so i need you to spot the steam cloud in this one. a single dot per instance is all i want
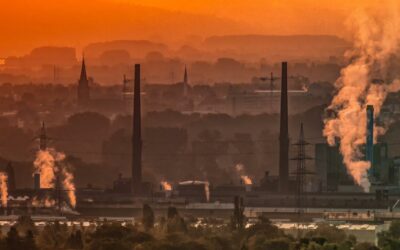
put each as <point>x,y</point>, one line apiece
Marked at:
<point>376,42</point>
<point>3,189</point>
<point>48,164</point>
<point>241,172</point>
<point>166,186</point>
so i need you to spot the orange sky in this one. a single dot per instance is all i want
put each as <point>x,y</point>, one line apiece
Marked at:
<point>25,24</point>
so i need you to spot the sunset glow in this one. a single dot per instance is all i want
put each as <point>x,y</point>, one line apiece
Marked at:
<point>27,24</point>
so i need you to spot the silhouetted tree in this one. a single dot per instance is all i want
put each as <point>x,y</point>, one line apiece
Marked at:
<point>53,236</point>
<point>74,240</point>
<point>113,236</point>
<point>366,246</point>
<point>172,212</point>
<point>148,217</point>
<point>238,218</point>
<point>331,233</point>
<point>13,240</point>
<point>29,241</point>
<point>25,224</point>
<point>175,223</point>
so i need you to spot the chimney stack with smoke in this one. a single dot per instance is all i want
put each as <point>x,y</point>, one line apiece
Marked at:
<point>284,134</point>
<point>36,181</point>
<point>369,149</point>
<point>137,136</point>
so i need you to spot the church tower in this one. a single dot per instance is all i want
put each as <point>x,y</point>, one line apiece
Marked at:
<point>185,83</point>
<point>83,86</point>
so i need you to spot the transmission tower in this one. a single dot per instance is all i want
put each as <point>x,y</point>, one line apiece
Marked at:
<point>301,172</point>
<point>58,187</point>
<point>127,92</point>
<point>271,80</point>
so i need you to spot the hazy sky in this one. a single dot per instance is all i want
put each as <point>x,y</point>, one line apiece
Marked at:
<point>25,24</point>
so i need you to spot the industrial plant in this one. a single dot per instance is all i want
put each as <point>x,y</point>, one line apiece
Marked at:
<point>200,125</point>
<point>328,192</point>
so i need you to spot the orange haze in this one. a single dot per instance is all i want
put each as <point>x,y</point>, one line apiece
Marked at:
<point>25,24</point>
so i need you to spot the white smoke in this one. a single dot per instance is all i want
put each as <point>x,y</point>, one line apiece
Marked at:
<point>376,41</point>
<point>50,163</point>
<point>240,170</point>
<point>4,189</point>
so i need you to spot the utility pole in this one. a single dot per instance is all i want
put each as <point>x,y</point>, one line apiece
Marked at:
<point>271,80</point>
<point>125,92</point>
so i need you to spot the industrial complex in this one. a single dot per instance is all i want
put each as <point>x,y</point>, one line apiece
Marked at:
<point>328,193</point>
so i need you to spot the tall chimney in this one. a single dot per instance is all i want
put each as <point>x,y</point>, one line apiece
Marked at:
<point>137,136</point>
<point>369,149</point>
<point>36,181</point>
<point>284,135</point>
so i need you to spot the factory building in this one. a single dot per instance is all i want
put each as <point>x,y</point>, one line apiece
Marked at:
<point>332,174</point>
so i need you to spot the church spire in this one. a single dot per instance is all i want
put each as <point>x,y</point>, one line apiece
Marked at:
<point>83,85</point>
<point>185,76</point>
<point>185,82</point>
<point>83,70</point>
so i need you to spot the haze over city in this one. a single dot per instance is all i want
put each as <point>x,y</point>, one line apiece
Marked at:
<point>206,125</point>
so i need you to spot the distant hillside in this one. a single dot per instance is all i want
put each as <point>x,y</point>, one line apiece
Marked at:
<point>270,45</point>
<point>61,56</point>
<point>262,40</point>
<point>135,48</point>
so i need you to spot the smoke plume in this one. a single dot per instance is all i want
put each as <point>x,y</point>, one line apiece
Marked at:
<point>366,80</point>
<point>4,189</point>
<point>245,179</point>
<point>49,164</point>
<point>45,165</point>
<point>69,186</point>
<point>166,186</point>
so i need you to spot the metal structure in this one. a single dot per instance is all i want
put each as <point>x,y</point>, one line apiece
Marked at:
<point>369,148</point>
<point>58,189</point>
<point>271,80</point>
<point>126,93</point>
<point>301,172</point>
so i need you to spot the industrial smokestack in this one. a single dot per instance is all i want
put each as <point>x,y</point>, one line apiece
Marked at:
<point>36,181</point>
<point>11,177</point>
<point>137,136</point>
<point>369,149</point>
<point>43,138</point>
<point>284,134</point>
